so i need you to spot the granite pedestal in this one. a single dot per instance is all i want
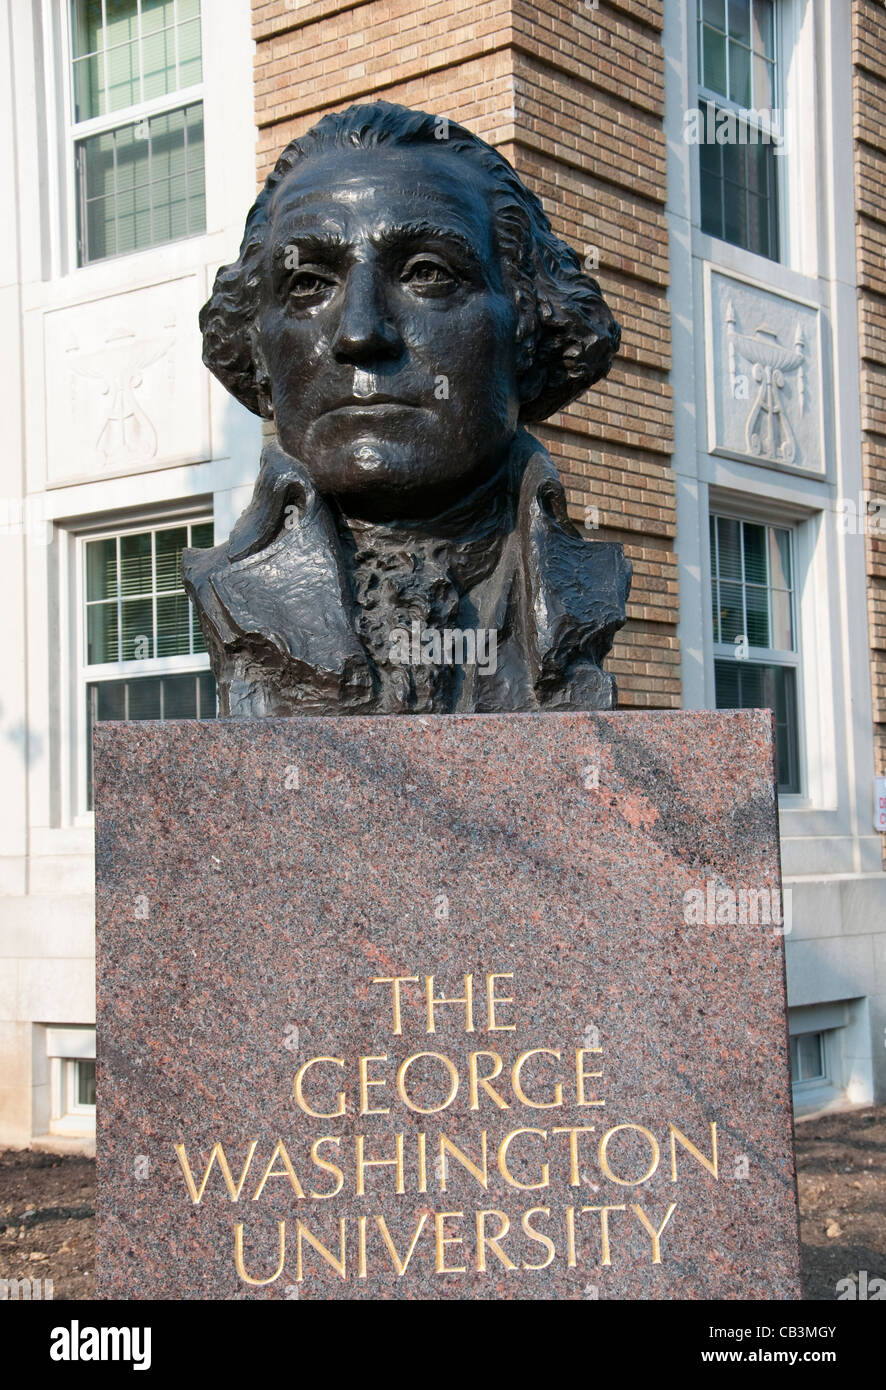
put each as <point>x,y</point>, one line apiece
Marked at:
<point>452,1007</point>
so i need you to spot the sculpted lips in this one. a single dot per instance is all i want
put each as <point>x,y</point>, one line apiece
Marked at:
<point>372,407</point>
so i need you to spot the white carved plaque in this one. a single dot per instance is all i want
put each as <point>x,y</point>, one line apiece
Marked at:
<point>764,377</point>
<point>125,387</point>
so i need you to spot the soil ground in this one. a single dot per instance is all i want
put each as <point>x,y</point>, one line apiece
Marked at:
<point>47,1224</point>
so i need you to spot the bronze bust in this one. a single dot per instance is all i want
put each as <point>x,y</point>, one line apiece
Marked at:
<point>401,309</point>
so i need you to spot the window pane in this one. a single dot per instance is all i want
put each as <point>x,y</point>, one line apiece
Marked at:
<point>122,20</point>
<point>173,625</point>
<point>110,699</point>
<point>101,569</point>
<point>747,166</point>
<point>740,74</point>
<point>190,65</point>
<point>740,20</point>
<point>89,82</point>
<point>729,547</point>
<point>810,1057</point>
<point>714,60</point>
<point>207,696</point>
<point>124,59</point>
<point>751,685</point>
<point>754,554</point>
<point>764,85</point>
<point>782,621</point>
<point>764,33</point>
<point>157,14</point>
<point>714,12</point>
<point>161,159</point>
<point>731,612</point>
<point>138,630</point>
<point>85,1083</point>
<point>135,563</point>
<point>180,697</point>
<point>122,77</point>
<point>202,536</point>
<point>170,545</point>
<point>101,633</point>
<point>780,557</point>
<point>711,205</point>
<point>144,698</point>
<point>757,604</point>
<point>158,59</point>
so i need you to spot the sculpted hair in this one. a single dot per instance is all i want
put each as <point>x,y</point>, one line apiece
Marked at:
<point>566,334</point>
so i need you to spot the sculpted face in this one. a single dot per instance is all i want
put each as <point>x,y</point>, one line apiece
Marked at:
<point>387,329</point>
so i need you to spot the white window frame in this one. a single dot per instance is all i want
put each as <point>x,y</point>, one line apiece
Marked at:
<point>816,1083</point>
<point>66,1049</point>
<point>762,512</point>
<point>86,674</point>
<point>97,125</point>
<point>774,135</point>
<point>800,248</point>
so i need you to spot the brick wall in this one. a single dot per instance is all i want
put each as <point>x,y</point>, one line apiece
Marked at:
<point>869,84</point>
<point>573,96</point>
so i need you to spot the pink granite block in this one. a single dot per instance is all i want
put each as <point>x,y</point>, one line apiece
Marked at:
<point>617,1125</point>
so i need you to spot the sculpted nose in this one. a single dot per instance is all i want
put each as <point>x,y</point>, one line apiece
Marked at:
<point>365,331</point>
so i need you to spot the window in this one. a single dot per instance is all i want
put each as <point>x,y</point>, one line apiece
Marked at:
<point>756,660</point>
<point>71,1055</point>
<point>809,1056</point>
<point>739,121</point>
<point>138,144</point>
<point>144,654</point>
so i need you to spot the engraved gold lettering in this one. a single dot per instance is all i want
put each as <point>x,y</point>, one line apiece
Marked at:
<point>604,1229</point>
<point>483,1239</point>
<point>366,1082</point>
<point>477,1081</point>
<point>573,1131</point>
<point>401,1266</point>
<point>604,1160</point>
<point>467,999</point>
<point>302,1234</point>
<point>238,1255</point>
<point>396,1162</point>
<point>503,1161</point>
<point>299,1092</point>
<point>539,1236</point>
<point>570,1237</point>
<point>655,1235</point>
<point>492,1025</point>
<point>395,981</point>
<point>361,1247</point>
<point>327,1167</point>
<point>480,1173</point>
<point>287,1171</point>
<point>442,1240</point>
<point>516,1080</point>
<point>581,1076</point>
<point>216,1154</point>
<point>422,1161</point>
<point>709,1163</point>
<point>403,1070</point>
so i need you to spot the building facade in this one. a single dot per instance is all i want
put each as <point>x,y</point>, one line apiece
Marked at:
<point>718,164</point>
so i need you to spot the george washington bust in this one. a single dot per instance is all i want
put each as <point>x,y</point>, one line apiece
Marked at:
<point>401,310</point>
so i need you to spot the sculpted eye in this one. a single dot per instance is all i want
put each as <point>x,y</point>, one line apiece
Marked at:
<point>308,284</point>
<point>428,276</point>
